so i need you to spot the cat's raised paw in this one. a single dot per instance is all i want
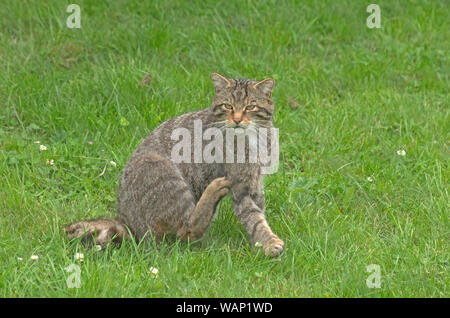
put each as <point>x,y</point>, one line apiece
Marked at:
<point>220,183</point>
<point>218,188</point>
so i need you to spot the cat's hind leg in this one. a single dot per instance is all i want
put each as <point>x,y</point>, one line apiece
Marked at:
<point>154,198</point>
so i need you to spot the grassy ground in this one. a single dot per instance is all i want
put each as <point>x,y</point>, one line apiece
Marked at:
<point>347,97</point>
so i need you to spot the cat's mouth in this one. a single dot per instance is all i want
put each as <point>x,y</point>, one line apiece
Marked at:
<point>238,125</point>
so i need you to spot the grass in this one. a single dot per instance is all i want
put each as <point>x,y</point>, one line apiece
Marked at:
<point>347,98</point>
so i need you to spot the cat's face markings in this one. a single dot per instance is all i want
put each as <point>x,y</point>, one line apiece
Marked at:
<point>242,103</point>
<point>238,115</point>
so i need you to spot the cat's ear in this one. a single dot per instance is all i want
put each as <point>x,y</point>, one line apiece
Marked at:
<point>265,86</point>
<point>220,82</point>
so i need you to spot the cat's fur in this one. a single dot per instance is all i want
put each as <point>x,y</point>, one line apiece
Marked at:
<point>159,197</point>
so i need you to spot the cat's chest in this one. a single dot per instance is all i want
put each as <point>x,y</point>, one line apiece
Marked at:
<point>246,174</point>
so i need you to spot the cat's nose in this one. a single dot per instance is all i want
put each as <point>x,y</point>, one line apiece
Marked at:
<point>237,119</point>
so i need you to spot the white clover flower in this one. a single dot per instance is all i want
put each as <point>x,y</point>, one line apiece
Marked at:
<point>369,179</point>
<point>37,142</point>
<point>34,257</point>
<point>50,162</point>
<point>98,247</point>
<point>79,257</point>
<point>112,163</point>
<point>153,270</point>
<point>258,244</point>
<point>20,259</point>
<point>42,147</point>
<point>401,152</point>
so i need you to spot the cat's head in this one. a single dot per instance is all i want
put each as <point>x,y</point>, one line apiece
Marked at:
<point>242,103</point>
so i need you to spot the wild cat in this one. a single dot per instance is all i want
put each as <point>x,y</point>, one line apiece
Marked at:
<point>158,196</point>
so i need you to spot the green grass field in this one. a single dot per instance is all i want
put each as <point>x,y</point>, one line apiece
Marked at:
<point>348,100</point>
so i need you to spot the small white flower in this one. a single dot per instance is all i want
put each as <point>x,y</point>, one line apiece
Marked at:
<point>79,257</point>
<point>258,244</point>
<point>98,247</point>
<point>112,163</point>
<point>34,257</point>
<point>42,147</point>
<point>37,142</point>
<point>401,152</point>
<point>153,270</point>
<point>50,162</point>
<point>20,259</point>
<point>369,179</point>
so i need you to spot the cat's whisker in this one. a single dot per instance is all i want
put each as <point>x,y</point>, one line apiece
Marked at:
<point>261,123</point>
<point>217,123</point>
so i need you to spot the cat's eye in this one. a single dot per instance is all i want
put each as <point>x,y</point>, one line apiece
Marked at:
<point>250,107</point>
<point>227,106</point>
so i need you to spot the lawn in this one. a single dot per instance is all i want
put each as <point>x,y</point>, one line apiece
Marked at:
<point>363,118</point>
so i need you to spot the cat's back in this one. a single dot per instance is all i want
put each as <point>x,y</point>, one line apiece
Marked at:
<point>160,139</point>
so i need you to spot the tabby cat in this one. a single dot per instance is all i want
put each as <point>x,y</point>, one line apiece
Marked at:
<point>159,197</point>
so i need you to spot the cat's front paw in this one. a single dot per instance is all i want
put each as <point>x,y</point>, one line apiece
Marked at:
<point>274,248</point>
<point>219,187</point>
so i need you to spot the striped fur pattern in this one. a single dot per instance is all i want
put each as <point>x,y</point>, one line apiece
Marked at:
<point>157,197</point>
